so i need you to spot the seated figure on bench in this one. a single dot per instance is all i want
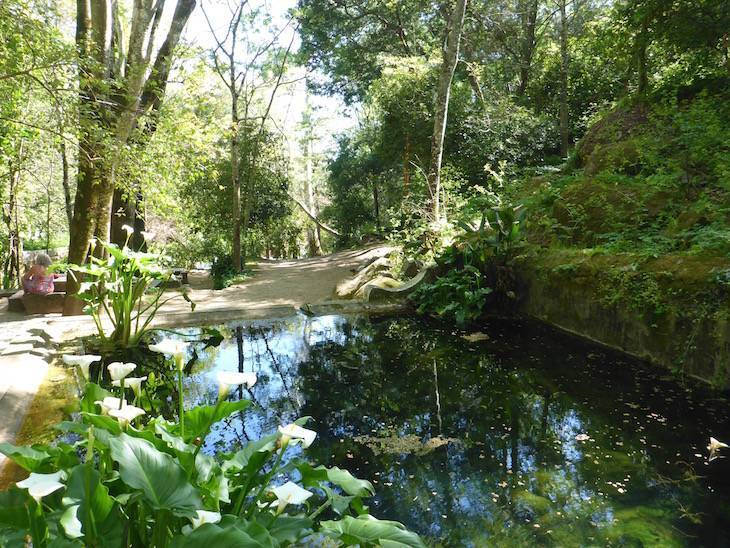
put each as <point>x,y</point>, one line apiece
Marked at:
<point>37,280</point>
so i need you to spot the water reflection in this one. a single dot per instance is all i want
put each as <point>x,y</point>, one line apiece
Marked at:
<point>526,438</point>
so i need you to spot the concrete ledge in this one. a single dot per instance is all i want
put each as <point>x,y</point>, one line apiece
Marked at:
<point>20,377</point>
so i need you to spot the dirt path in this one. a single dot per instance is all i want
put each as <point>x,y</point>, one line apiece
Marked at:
<point>276,286</point>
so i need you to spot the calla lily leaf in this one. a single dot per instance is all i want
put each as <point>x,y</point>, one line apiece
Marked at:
<point>367,530</point>
<point>92,394</point>
<point>290,529</point>
<point>161,479</point>
<point>94,504</point>
<point>199,420</point>
<point>26,457</point>
<point>252,456</point>
<point>242,533</point>
<point>311,477</point>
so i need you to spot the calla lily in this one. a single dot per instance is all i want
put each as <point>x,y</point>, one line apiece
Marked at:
<point>203,516</point>
<point>148,236</point>
<point>135,383</point>
<point>171,347</point>
<point>126,414</point>
<point>82,362</point>
<point>289,493</point>
<point>714,448</point>
<point>109,403</point>
<point>40,485</point>
<point>128,229</point>
<point>119,370</point>
<point>295,433</point>
<point>229,379</point>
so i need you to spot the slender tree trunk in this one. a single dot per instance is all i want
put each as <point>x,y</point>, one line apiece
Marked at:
<point>641,62</point>
<point>236,183</point>
<point>528,16</point>
<point>406,164</point>
<point>10,216</point>
<point>68,200</point>
<point>448,66</point>
<point>376,205</point>
<point>315,246</point>
<point>564,69</point>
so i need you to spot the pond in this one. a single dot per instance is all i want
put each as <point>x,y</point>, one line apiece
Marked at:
<point>526,437</point>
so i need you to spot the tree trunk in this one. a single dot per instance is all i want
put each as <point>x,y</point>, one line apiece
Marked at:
<point>528,16</point>
<point>236,184</point>
<point>315,246</point>
<point>376,205</point>
<point>68,200</point>
<point>564,66</point>
<point>109,114</point>
<point>125,211</point>
<point>406,164</point>
<point>448,66</point>
<point>12,273</point>
<point>642,44</point>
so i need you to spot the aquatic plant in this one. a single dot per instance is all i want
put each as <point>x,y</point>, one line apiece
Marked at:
<point>124,287</point>
<point>124,483</point>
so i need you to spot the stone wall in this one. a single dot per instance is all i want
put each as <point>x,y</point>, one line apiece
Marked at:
<point>572,300</point>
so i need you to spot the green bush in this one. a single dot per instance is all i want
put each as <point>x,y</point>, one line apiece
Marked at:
<point>224,273</point>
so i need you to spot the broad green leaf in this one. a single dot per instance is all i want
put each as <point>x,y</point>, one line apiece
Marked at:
<point>13,511</point>
<point>289,529</point>
<point>93,393</point>
<point>110,424</point>
<point>94,505</point>
<point>225,535</point>
<point>161,479</point>
<point>340,503</point>
<point>253,456</point>
<point>32,459</point>
<point>367,531</point>
<point>198,421</point>
<point>311,477</point>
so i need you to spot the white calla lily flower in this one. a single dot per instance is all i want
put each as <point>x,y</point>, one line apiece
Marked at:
<point>229,379</point>
<point>40,485</point>
<point>293,433</point>
<point>128,229</point>
<point>171,347</point>
<point>204,516</point>
<point>119,370</point>
<point>148,236</point>
<point>126,414</point>
<point>109,403</point>
<point>289,493</point>
<point>714,448</point>
<point>135,383</point>
<point>82,362</point>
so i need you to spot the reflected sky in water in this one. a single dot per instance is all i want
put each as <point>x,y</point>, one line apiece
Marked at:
<point>529,437</point>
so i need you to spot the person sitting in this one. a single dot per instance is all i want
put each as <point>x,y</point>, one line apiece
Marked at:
<point>37,280</point>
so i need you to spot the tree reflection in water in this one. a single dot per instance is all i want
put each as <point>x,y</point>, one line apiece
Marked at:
<point>474,443</point>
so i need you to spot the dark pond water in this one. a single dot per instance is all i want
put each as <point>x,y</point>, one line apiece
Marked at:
<point>527,438</point>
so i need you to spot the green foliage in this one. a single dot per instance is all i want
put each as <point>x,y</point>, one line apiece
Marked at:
<point>121,287</point>
<point>147,486</point>
<point>459,295</point>
<point>224,273</point>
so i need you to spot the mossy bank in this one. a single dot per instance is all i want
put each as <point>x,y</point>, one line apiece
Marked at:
<point>630,245</point>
